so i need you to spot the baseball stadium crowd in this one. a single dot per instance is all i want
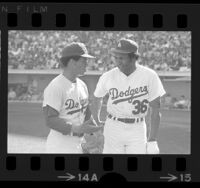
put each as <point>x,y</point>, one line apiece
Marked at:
<point>160,50</point>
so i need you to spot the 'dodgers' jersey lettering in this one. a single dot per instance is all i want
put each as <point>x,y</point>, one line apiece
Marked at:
<point>129,96</point>
<point>69,99</point>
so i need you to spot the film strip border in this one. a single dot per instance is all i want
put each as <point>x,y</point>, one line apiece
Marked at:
<point>88,16</point>
<point>109,20</point>
<point>84,164</point>
<point>96,168</point>
<point>99,17</point>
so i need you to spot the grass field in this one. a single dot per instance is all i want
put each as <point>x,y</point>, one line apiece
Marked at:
<point>27,131</point>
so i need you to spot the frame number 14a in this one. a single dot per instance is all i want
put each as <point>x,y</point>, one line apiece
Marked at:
<point>87,177</point>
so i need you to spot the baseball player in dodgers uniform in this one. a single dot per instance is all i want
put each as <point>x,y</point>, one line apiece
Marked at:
<point>132,89</point>
<point>65,103</point>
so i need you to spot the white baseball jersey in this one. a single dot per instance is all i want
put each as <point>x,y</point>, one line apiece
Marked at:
<point>70,100</point>
<point>129,96</point>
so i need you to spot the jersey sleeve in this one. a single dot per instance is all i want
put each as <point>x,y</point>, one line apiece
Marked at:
<point>53,97</point>
<point>101,90</point>
<point>156,88</point>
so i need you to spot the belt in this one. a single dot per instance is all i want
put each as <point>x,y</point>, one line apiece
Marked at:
<point>126,120</point>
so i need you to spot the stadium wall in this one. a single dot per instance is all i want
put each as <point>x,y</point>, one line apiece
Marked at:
<point>175,87</point>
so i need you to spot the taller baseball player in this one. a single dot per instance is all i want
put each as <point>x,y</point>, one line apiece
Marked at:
<point>65,103</point>
<point>132,89</point>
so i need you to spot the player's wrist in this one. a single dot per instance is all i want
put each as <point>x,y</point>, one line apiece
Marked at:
<point>68,129</point>
<point>99,123</point>
<point>152,140</point>
<point>76,129</point>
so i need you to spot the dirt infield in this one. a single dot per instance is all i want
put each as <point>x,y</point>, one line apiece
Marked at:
<point>27,130</point>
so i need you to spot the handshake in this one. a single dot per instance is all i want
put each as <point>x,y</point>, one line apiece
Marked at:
<point>88,127</point>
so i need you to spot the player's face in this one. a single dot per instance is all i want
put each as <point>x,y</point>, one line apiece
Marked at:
<point>81,66</point>
<point>123,61</point>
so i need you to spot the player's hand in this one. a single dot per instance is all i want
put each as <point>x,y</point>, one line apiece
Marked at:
<point>87,127</point>
<point>152,147</point>
<point>99,123</point>
<point>90,128</point>
<point>93,122</point>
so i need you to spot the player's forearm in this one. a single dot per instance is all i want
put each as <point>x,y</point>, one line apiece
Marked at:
<point>87,127</point>
<point>155,123</point>
<point>59,125</point>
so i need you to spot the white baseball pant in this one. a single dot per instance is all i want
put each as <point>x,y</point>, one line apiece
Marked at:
<point>123,138</point>
<point>59,143</point>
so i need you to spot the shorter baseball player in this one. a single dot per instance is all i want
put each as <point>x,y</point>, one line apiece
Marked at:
<point>65,103</point>
<point>132,89</point>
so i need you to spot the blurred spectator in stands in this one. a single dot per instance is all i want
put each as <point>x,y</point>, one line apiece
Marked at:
<point>35,97</point>
<point>23,94</point>
<point>174,100</point>
<point>185,67</point>
<point>168,103</point>
<point>32,87</point>
<point>164,67</point>
<point>176,66</point>
<point>11,94</point>
<point>18,90</point>
<point>182,103</point>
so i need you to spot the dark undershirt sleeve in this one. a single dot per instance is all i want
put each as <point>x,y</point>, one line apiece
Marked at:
<point>54,122</point>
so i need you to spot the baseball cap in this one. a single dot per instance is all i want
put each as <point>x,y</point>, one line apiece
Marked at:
<point>126,46</point>
<point>75,49</point>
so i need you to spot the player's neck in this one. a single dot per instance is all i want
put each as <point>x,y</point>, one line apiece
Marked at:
<point>129,70</point>
<point>69,75</point>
